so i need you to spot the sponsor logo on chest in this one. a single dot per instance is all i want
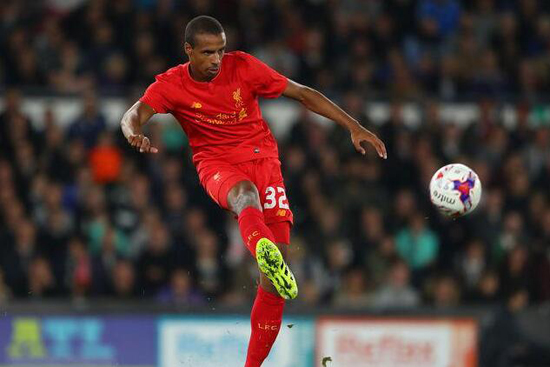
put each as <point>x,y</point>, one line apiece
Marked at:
<point>222,117</point>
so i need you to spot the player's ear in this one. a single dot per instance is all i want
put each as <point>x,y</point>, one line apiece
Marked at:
<point>187,48</point>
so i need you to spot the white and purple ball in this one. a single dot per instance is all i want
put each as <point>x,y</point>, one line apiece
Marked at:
<point>455,190</point>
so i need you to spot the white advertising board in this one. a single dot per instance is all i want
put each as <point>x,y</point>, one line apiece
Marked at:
<point>215,342</point>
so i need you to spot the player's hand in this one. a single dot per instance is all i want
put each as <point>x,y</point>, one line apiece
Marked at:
<point>142,143</point>
<point>360,134</point>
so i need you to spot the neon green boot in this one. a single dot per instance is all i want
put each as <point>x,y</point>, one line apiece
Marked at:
<point>271,263</point>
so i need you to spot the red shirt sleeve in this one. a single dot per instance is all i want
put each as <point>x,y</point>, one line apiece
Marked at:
<point>156,96</point>
<point>265,81</point>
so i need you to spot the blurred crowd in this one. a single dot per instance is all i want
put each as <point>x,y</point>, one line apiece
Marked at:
<point>85,216</point>
<point>448,49</point>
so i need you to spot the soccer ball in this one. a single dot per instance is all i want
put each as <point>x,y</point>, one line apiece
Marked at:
<point>455,190</point>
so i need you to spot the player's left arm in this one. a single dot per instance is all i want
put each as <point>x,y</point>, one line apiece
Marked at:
<point>315,101</point>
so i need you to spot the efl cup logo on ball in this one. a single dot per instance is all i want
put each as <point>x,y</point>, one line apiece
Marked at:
<point>455,190</point>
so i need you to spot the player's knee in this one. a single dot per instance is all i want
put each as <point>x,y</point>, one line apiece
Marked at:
<point>243,195</point>
<point>249,198</point>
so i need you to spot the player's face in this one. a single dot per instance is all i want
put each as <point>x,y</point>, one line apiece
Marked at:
<point>206,57</point>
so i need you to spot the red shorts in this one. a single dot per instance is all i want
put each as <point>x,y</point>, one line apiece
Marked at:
<point>219,177</point>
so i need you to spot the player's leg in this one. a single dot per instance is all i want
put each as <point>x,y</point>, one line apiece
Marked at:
<point>267,311</point>
<point>244,200</point>
<point>231,187</point>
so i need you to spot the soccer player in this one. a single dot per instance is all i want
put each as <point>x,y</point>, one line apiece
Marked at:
<point>214,97</point>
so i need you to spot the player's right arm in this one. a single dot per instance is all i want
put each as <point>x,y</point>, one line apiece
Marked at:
<point>131,124</point>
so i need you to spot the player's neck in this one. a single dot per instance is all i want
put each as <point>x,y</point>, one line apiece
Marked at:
<point>196,76</point>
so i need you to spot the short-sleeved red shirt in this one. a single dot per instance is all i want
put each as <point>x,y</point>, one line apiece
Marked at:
<point>221,118</point>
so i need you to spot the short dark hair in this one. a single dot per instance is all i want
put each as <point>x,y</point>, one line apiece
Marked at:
<point>203,24</point>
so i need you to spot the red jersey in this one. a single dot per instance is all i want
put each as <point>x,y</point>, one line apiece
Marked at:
<point>222,117</point>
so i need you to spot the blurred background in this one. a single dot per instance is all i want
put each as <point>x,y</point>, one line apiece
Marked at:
<point>89,227</point>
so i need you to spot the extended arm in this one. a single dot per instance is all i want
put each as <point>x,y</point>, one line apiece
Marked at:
<point>318,103</point>
<point>131,124</point>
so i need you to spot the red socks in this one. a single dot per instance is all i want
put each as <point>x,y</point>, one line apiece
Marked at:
<point>267,311</point>
<point>266,317</point>
<point>252,226</point>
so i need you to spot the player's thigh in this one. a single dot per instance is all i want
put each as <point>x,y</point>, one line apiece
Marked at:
<point>218,179</point>
<point>271,187</point>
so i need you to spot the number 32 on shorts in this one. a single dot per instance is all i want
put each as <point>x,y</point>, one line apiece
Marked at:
<point>274,196</point>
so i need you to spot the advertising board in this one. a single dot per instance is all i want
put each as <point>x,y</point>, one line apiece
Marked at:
<point>360,342</point>
<point>222,341</point>
<point>78,341</point>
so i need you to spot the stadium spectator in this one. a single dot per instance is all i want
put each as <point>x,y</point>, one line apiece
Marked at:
<point>42,283</point>
<point>105,160</point>
<point>212,276</point>
<point>472,264</point>
<point>380,259</point>
<point>353,292</point>
<point>124,284</point>
<point>445,293</point>
<point>90,124</point>
<point>103,264</point>
<point>156,261</point>
<point>417,245</point>
<point>487,290</point>
<point>396,291</point>
<point>5,291</point>
<point>180,290</point>
<point>78,268</point>
<point>339,256</point>
<point>505,343</point>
